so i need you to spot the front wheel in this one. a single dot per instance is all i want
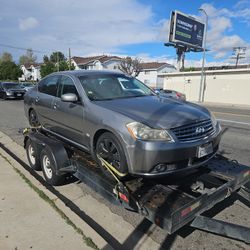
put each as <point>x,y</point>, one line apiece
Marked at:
<point>48,165</point>
<point>109,148</point>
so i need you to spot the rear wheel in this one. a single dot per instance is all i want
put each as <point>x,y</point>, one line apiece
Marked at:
<point>109,148</point>
<point>48,165</point>
<point>33,119</point>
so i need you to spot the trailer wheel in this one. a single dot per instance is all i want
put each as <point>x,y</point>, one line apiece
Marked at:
<point>32,155</point>
<point>48,164</point>
<point>110,149</point>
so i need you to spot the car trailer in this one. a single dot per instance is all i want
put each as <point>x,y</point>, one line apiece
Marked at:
<point>170,203</point>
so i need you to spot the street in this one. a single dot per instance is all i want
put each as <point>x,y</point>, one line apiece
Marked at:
<point>235,145</point>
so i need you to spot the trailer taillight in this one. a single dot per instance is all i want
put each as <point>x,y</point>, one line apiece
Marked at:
<point>187,210</point>
<point>247,173</point>
<point>123,197</point>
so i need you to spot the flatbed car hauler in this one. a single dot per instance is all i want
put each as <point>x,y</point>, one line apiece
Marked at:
<point>170,203</point>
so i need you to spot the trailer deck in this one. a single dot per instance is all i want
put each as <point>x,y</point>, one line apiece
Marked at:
<point>169,202</point>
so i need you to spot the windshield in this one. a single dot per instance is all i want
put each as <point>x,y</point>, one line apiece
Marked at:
<point>27,84</point>
<point>9,85</point>
<point>110,87</point>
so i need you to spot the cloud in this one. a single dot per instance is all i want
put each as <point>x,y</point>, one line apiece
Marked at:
<point>27,23</point>
<point>99,26</point>
<point>219,40</point>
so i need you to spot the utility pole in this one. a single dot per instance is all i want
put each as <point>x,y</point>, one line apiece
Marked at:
<point>202,85</point>
<point>238,53</point>
<point>69,59</point>
<point>57,59</point>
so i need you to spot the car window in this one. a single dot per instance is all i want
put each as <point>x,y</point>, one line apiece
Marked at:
<point>107,87</point>
<point>66,86</point>
<point>49,85</point>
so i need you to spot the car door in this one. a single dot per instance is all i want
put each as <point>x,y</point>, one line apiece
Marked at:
<point>47,90</point>
<point>68,116</point>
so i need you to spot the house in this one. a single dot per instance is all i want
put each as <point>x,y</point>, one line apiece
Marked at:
<point>150,71</point>
<point>31,72</point>
<point>96,62</point>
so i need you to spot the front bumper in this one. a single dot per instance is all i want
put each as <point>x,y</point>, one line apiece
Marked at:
<point>13,94</point>
<point>146,157</point>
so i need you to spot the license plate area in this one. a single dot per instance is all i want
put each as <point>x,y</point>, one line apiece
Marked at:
<point>204,150</point>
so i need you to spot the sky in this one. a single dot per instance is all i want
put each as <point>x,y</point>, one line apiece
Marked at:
<point>120,27</point>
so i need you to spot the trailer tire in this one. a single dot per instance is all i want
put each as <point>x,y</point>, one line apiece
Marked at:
<point>116,157</point>
<point>48,164</point>
<point>33,155</point>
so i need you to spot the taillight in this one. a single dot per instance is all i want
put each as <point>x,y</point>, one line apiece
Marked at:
<point>178,94</point>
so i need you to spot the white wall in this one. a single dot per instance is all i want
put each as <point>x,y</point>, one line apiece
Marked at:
<point>222,86</point>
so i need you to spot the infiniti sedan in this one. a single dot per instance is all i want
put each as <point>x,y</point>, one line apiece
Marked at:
<point>117,117</point>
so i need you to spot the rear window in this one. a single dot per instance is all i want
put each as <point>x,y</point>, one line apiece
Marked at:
<point>9,85</point>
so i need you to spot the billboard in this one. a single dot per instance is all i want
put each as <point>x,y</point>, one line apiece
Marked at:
<point>186,30</point>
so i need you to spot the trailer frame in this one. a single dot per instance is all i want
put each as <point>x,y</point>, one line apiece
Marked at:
<point>170,203</point>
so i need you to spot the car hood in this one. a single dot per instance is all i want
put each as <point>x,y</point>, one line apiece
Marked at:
<point>157,112</point>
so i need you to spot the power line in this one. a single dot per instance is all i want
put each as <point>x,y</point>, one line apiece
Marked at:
<point>20,48</point>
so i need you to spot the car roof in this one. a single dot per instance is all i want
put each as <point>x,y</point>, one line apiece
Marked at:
<point>89,72</point>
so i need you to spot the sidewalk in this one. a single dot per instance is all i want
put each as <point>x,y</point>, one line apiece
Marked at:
<point>29,222</point>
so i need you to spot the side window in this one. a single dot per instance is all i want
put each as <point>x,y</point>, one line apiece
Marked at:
<point>67,86</point>
<point>49,85</point>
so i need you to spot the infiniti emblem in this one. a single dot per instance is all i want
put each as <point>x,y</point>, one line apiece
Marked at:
<point>200,130</point>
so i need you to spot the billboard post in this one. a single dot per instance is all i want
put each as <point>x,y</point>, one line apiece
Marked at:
<point>202,82</point>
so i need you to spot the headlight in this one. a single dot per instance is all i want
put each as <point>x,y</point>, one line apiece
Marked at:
<point>143,132</point>
<point>214,121</point>
<point>9,93</point>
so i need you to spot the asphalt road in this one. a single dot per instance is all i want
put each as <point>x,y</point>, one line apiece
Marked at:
<point>235,144</point>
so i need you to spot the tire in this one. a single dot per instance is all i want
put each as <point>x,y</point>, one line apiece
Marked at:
<point>110,149</point>
<point>33,155</point>
<point>48,165</point>
<point>4,96</point>
<point>33,119</point>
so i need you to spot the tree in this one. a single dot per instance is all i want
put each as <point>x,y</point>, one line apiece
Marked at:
<point>51,65</point>
<point>130,66</point>
<point>47,68</point>
<point>45,58</point>
<point>28,58</point>
<point>6,57</point>
<point>57,56</point>
<point>9,71</point>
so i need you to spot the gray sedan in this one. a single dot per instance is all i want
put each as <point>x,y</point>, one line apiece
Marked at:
<point>132,128</point>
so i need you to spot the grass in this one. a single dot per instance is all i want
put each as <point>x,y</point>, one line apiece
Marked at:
<point>88,241</point>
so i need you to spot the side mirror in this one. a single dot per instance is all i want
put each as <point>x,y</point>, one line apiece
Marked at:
<point>157,92</point>
<point>69,97</point>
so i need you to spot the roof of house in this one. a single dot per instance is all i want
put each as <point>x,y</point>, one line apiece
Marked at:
<point>87,60</point>
<point>154,65</point>
<point>28,65</point>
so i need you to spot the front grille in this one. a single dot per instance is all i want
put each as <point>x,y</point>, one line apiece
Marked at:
<point>194,131</point>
